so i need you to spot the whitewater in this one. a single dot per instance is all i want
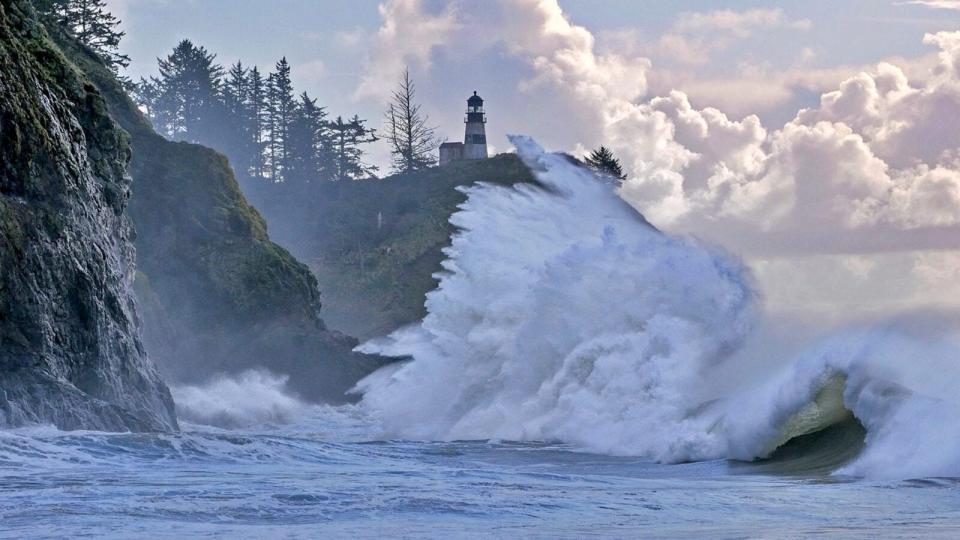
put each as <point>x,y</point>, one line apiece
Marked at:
<point>563,315</point>
<point>579,373</point>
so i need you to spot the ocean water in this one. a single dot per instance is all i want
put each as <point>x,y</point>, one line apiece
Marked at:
<point>326,475</point>
<point>579,374</point>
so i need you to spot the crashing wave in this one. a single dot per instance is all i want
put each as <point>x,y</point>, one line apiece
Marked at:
<point>562,315</point>
<point>250,398</point>
<point>898,379</point>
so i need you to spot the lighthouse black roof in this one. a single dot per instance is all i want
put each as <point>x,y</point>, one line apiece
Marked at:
<point>475,99</point>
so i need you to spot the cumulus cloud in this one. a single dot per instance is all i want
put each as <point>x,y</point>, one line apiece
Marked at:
<point>564,55</point>
<point>556,63</point>
<point>560,53</point>
<point>408,36</point>
<point>874,158</point>
<point>873,167</point>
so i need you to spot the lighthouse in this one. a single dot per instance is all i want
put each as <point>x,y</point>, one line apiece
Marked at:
<point>475,133</point>
<point>474,145</point>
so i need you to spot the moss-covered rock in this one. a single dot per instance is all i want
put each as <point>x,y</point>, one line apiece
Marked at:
<point>70,352</point>
<point>217,294</point>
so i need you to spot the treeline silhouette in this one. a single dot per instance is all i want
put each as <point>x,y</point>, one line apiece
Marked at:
<point>266,130</point>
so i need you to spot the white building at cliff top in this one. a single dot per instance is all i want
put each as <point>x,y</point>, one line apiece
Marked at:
<point>474,145</point>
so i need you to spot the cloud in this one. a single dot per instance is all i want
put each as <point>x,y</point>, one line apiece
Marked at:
<point>833,289</point>
<point>936,4</point>
<point>872,162</point>
<point>560,65</point>
<point>350,39</point>
<point>407,37</point>
<point>688,49</point>
<point>564,55</point>
<point>559,52</point>
<point>738,23</point>
<point>696,35</point>
<point>872,167</point>
<point>760,89</point>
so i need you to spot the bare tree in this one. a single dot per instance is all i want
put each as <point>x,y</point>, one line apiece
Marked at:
<point>412,141</point>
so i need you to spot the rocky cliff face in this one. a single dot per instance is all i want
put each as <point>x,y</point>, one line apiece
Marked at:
<point>217,295</point>
<point>70,352</point>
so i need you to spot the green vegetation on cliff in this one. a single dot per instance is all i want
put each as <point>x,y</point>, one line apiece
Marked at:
<point>70,350</point>
<point>374,245</point>
<point>218,295</point>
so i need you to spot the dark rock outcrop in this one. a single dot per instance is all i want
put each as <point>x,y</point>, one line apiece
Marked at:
<point>217,295</point>
<point>70,353</point>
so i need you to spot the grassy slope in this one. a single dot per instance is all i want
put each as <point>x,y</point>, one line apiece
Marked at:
<point>375,272</point>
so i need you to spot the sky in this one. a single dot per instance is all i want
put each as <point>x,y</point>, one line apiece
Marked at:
<point>819,140</point>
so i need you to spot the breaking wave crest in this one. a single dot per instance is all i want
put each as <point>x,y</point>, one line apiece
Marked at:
<point>897,379</point>
<point>250,398</point>
<point>562,315</point>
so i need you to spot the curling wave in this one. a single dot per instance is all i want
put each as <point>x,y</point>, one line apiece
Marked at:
<point>897,379</point>
<point>562,315</point>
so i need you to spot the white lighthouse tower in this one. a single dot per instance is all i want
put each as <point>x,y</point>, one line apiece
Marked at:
<point>475,134</point>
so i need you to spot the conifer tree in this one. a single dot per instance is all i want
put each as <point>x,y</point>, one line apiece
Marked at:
<point>603,161</point>
<point>190,86</point>
<point>272,131</point>
<point>92,25</point>
<point>280,109</point>
<point>308,143</point>
<point>257,122</point>
<point>147,93</point>
<point>412,141</point>
<point>235,90</point>
<point>239,141</point>
<point>347,137</point>
<point>258,115</point>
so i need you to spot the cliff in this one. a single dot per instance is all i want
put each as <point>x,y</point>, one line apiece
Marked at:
<point>374,245</point>
<point>218,296</point>
<point>70,352</point>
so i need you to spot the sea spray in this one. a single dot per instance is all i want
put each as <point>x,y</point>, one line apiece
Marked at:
<point>247,399</point>
<point>563,315</point>
<point>900,381</point>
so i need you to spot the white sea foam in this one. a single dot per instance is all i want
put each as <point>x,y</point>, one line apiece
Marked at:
<point>249,398</point>
<point>901,380</point>
<point>562,315</point>
<point>565,316</point>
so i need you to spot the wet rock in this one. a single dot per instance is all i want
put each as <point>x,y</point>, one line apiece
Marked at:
<point>70,351</point>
